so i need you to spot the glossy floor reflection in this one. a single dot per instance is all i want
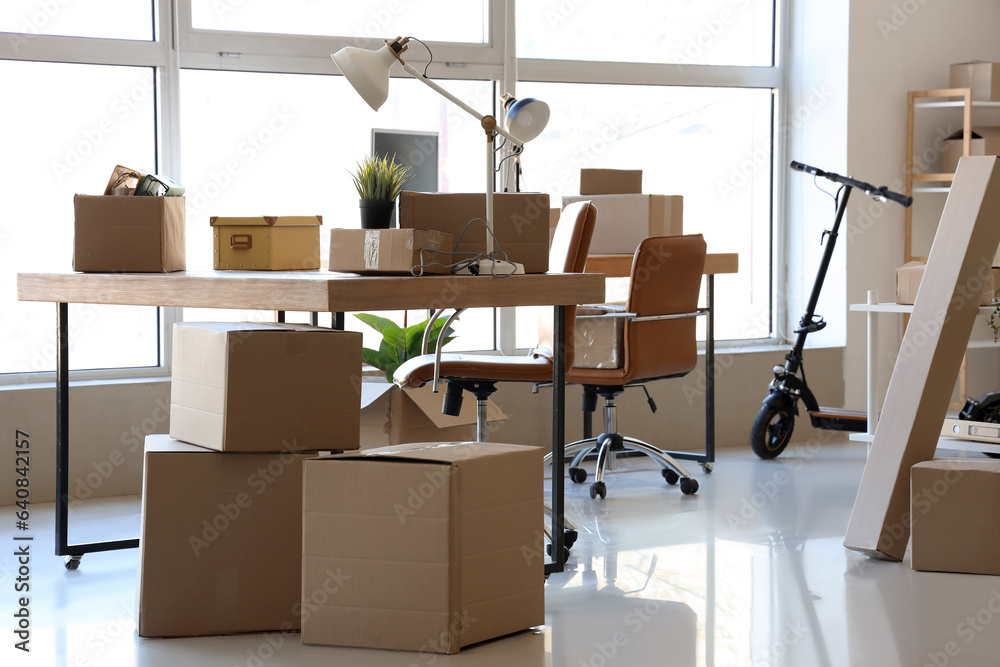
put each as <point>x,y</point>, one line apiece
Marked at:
<point>751,571</point>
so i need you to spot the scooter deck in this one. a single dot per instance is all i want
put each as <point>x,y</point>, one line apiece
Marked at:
<point>837,419</point>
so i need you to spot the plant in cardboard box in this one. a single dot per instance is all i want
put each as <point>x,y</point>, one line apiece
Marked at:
<point>379,180</point>
<point>399,343</point>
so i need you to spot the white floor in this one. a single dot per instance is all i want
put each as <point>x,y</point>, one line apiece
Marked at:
<point>750,571</point>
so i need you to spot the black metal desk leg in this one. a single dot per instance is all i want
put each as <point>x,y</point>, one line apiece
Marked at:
<point>280,316</point>
<point>710,372</point>
<point>558,438</point>
<point>338,321</point>
<point>62,429</point>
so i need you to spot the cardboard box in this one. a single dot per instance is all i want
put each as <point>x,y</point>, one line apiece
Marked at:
<point>610,181</point>
<point>623,221</point>
<point>930,356</point>
<point>266,243</point>
<point>985,141</point>
<point>953,507</point>
<point>394,416</point>
<point>245,387</point>
<point>982,77</point>
<point>599,342</point>
<point>520,222</point>
<point>128,234</point>
<point>221,541</point>
<point>908,278</point>
<point>390,251</point>
<point>445,547</point>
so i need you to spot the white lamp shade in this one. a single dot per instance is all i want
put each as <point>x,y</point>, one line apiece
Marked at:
<point>367,71</point>
<point>526,118</point>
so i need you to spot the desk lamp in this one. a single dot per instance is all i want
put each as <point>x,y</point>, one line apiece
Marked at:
<point>526,118</point>
<point>368,72</point>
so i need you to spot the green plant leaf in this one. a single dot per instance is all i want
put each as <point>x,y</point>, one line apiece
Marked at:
<point>380,177</point>
<point>375,358</point>
<point>379,324</point>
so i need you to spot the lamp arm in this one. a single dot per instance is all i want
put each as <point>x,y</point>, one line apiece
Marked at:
<point>412,71</point>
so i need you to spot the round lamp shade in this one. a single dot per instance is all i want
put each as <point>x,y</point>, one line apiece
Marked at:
<point>526,118</point>
<point>367,71</point>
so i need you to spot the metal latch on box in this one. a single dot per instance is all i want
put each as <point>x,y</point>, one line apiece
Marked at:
<point>241,241</point>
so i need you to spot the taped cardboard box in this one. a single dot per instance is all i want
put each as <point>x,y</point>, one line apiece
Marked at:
<point>909,275</point>
<point>221,541</point>
<point>128,234</point>
<point>246,387</point>
<point>610,181</point>
<point>390,251</point>
<point>953,507</point>
<point>982,77</point>
<point>520,222</point>
<point>444,551</point>
<point>985,141</point>
<point>394,416</point>
<point>599,341</point>
<point>623,221</point>
<point>266,242</point>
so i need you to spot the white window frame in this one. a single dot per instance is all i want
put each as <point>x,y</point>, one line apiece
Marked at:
<point>178,45</point>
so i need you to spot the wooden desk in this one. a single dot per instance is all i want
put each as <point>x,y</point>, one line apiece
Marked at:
<point>313,291</point>
<point>620,266</point>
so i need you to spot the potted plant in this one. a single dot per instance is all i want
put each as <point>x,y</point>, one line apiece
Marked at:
<point>399,343</point>
<point>379,181</point>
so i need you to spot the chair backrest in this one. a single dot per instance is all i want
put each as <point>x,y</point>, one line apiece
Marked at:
<point>666,280</point>
<point>568,254</point>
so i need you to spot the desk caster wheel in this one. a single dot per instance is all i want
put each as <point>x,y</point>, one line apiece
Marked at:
<point>689,486</point>
<point>708,467</point>
<point>569,538</point>
<point>578,475</point>
<point>670,475</point>
<point>73,562</point>
<point>598,489</point>
<point>548,550</point>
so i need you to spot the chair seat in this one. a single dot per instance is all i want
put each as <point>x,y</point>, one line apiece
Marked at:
<point>418,371</point>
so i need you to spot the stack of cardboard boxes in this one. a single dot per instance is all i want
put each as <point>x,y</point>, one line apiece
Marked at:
<point>250,524</point>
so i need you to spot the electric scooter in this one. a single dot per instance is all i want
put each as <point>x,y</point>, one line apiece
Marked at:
<point>772,429</point>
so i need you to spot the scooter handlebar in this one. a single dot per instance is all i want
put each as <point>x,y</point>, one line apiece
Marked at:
<point>880,192</point>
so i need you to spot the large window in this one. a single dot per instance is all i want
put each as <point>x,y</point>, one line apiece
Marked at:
<point>251,117</point>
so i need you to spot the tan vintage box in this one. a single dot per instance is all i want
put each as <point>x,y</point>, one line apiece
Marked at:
<point>266,243</point>
<point>610,181</point>
<point>520,222</point>
<point>394,416</point>
<point>221,541</point>
<point>982,77</point>
<point>953,516</point>
<point>246,387</point>
<point>623,221</point>
<point>390,251</point>
<point>908,278</point>
<point>445,550</point>
<point>985,141</point>
<point>128,234</point>
<point>599,341</point>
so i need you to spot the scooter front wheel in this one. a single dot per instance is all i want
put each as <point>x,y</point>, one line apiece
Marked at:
<point>771,431</point>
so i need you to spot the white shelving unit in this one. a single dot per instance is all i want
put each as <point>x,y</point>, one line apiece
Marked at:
<point>874,399</point>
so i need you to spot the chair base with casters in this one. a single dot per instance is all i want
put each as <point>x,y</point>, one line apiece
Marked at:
<point>610,443</point>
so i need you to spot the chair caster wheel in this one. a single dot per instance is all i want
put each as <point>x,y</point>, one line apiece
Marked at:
<point>548,550</point>
<point>708,467</point>
<point>578,475</point>
<point>689,486</point>
<point>569,538</point>
<point>598,489</point>
<point>670,475</point>
<point>73,562</point>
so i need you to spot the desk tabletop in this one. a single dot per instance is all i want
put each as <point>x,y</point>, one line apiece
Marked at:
<point>620,266</point>
<point>309,291</point>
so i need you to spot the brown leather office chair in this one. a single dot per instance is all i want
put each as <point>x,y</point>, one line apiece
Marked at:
<point>479,374</point>
<point>659,341</point>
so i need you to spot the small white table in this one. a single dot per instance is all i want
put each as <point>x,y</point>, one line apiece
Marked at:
<point>874,309</point>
